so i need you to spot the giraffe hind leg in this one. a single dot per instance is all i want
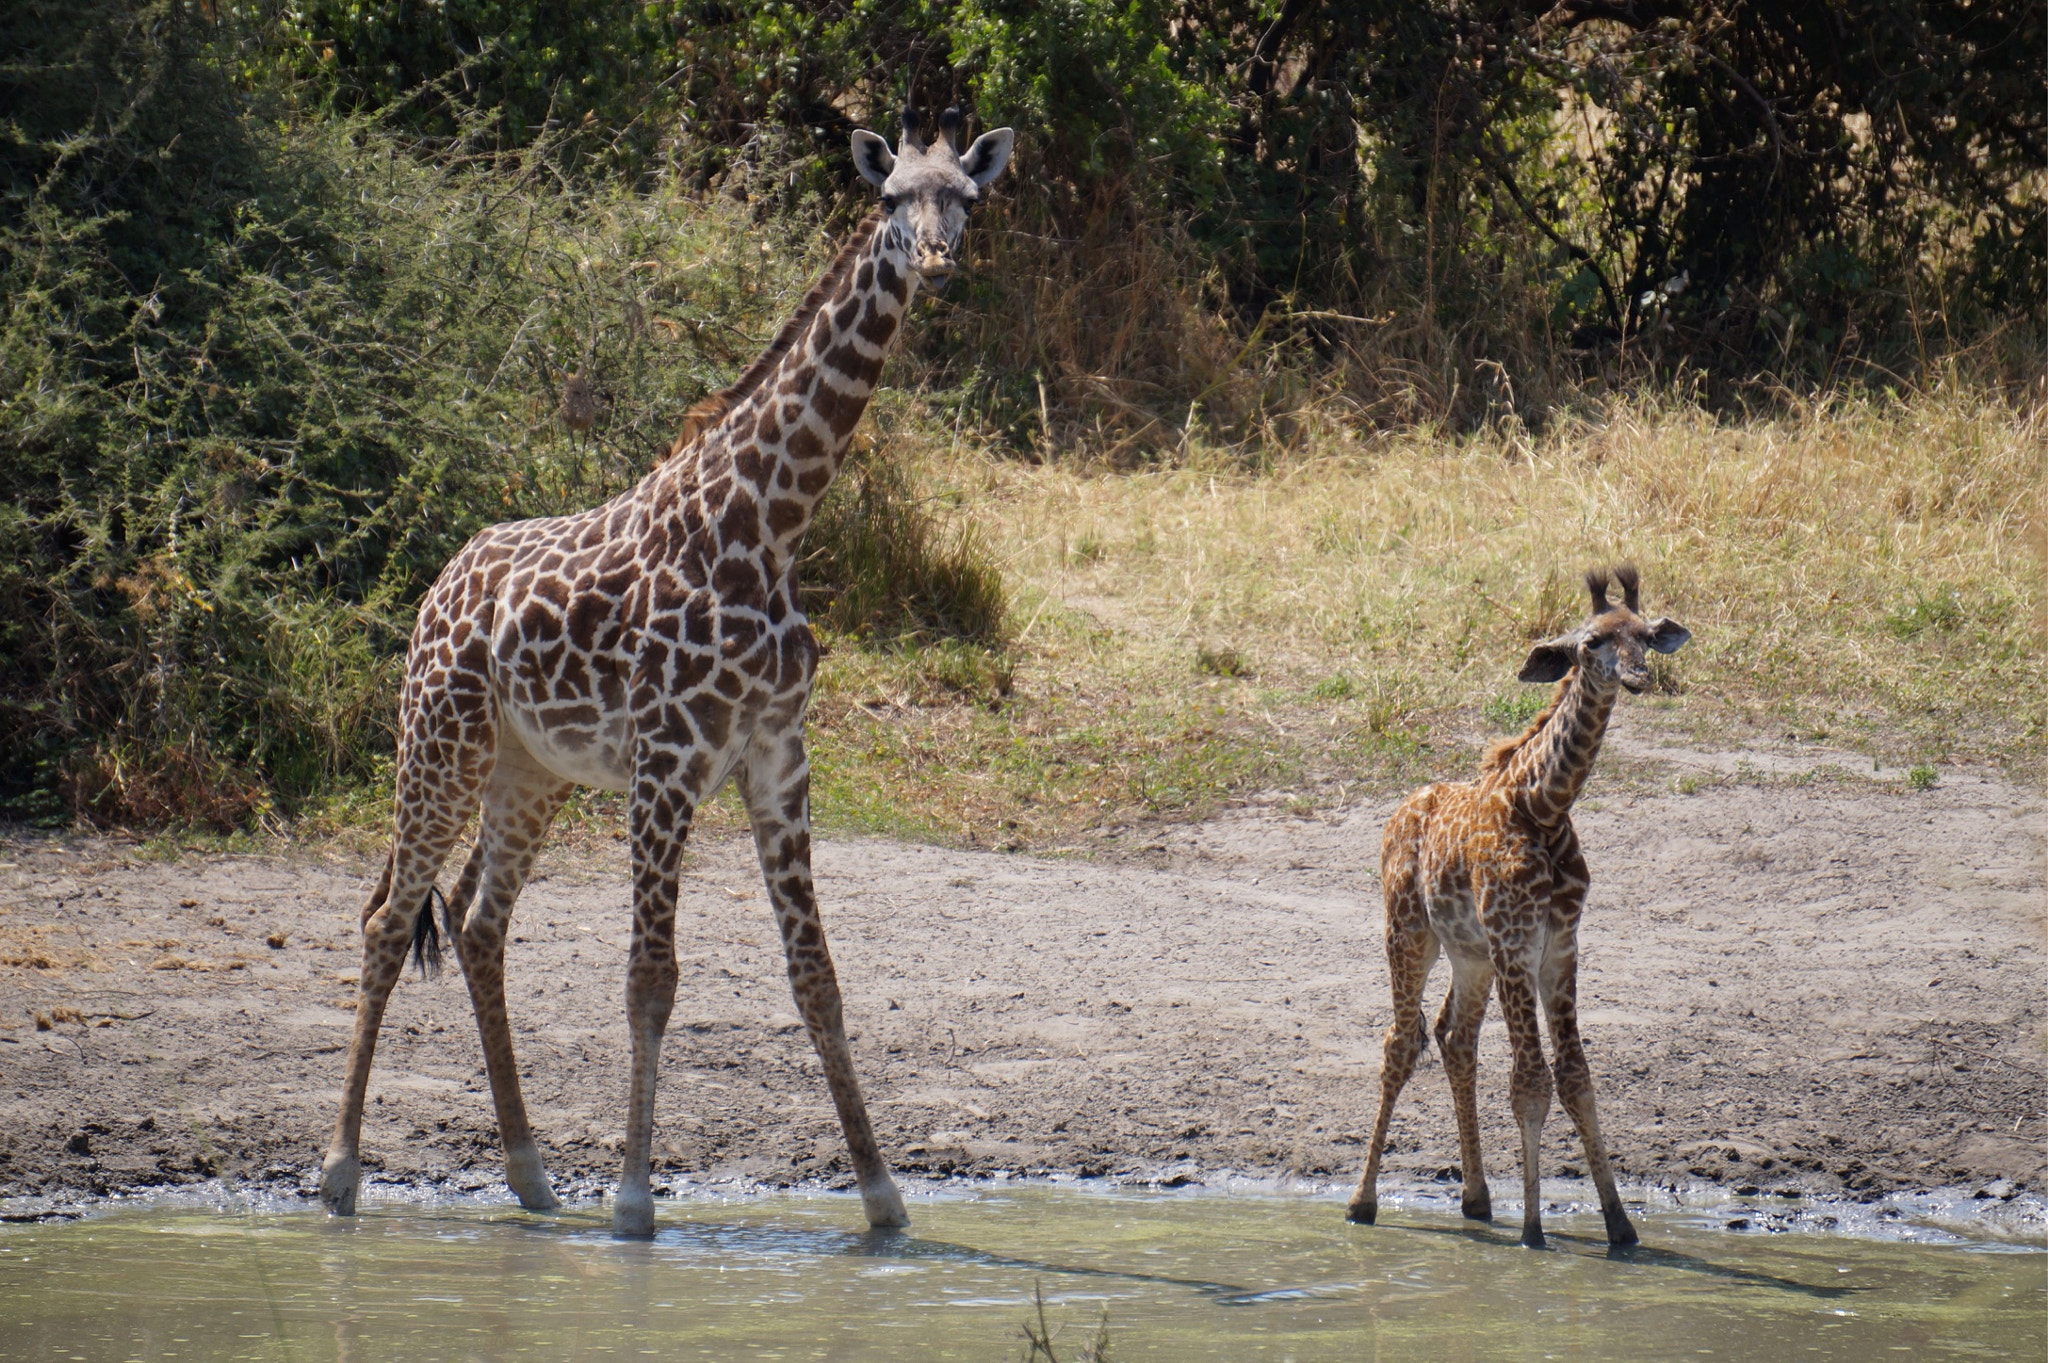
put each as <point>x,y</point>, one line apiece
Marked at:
<point>1411,951</point>
<point>520,803</point>
<point>390,927</point>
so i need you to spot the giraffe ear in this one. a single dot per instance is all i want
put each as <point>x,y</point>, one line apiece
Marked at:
<point>1550,660</point>
<point>989,154</point>
<point>1668,636</point>
<point>872,157</point>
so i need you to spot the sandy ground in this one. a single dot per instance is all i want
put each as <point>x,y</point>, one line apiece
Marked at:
<point>1795,981</point>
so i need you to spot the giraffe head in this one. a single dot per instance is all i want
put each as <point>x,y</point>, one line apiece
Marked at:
<point>1611,645</point>
<point>927,189</point>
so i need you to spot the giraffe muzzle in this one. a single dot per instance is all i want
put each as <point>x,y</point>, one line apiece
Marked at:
<point>935,266</point>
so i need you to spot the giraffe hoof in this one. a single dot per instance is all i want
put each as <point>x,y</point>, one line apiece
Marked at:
<point>1362,1213</point>
<point>542,1199</point>
<point>1620,1233</point>
<point>1532,1238</point>
<point>1477,1208</point>
<point>340,1175</point>
<point>633,1217</point>
<point>529,1181</point>
<point>884,1207</point>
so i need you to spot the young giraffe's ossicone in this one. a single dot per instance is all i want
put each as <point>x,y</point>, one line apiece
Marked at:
<point>1489,872</point>
<point>654,645</point>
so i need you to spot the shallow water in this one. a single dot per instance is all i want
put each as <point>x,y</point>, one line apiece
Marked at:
<point>1180,1275</point>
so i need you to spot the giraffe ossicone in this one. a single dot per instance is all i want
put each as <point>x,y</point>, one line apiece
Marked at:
<point>654,645</point>
<point>1489,873</point>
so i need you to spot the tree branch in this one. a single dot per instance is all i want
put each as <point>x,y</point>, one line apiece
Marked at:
<point>1500,172</point>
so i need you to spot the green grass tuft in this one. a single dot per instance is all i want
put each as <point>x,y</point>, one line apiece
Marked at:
<point>1511,711</point>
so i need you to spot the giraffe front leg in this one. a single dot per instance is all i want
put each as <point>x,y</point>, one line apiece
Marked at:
<point>660,825</point>
<point>1575,1087</point>
<point>776,786</point>
<point>1528,1089</point>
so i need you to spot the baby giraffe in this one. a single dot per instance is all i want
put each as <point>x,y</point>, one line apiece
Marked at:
<point>1489,871</point>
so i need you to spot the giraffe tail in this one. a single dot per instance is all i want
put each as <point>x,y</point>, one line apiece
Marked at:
<point>426,935</point>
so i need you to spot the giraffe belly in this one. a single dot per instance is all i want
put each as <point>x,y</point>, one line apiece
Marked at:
<point>1455,920</point>
<point>590,754</point>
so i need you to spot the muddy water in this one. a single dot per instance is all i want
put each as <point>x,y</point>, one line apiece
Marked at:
<point>1178,1276</point>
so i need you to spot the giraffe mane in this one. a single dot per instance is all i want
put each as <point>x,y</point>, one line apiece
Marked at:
<point>709,411</point>
<point>1504,749</point>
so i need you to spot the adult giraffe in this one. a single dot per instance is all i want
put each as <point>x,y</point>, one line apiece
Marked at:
<point>1489,871</point>
<point>654,645</point>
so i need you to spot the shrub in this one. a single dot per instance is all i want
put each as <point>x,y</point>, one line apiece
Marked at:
<point>260,379</point>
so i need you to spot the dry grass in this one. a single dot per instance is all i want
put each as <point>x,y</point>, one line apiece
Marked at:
<point>1863,573</point>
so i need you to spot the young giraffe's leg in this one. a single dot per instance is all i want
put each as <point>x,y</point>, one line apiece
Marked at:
<point>1457,1038</point>
<point>1411,951</point>
<point>425,831</point>
<point>660,818</point>
<point>519,804</point>
<point>776,783</point>
<point>1559,980</point>
<point>1529,1088</point>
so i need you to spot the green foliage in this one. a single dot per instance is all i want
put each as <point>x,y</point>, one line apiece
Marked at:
<point>1941,611</point>
<point>288,295</point>
<point>523,63</point>
<point>263,377</point>
<point>1338,686</point>
<point>1920,776</point>
<point>1511,711</point>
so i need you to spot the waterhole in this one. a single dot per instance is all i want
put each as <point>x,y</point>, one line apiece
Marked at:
<point>1175,1275</point>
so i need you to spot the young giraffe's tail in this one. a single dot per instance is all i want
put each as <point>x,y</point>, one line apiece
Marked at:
<point>426,935</point>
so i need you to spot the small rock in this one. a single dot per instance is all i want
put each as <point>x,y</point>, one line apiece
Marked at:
<point>2002,1189</point>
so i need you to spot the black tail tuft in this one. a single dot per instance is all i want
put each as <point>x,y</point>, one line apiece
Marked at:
<point>426,936</point>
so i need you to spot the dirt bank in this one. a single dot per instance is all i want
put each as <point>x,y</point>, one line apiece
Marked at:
<point>1832,984</point>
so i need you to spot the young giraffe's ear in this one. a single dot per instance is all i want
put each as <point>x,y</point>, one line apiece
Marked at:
<point>989,154</point>
<point>1550,660</point>
<point>1668,636</point>
<point>872,157</point>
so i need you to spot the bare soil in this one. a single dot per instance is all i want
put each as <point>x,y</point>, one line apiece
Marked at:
<point>1795,977</point>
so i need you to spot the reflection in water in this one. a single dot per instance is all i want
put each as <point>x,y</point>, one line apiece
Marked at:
<point>1180,1277</point>
<point>1643,1254</point>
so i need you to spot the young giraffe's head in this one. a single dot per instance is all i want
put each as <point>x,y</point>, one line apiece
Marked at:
<point>927,190</point>
<point>1611,644</point>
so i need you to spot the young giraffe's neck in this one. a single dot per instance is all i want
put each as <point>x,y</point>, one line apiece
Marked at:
<point>787,422</point>
<point>1550,768</point>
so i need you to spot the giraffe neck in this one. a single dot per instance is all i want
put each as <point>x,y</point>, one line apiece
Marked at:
<point>767,462</point>
<point>1549,770</point>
